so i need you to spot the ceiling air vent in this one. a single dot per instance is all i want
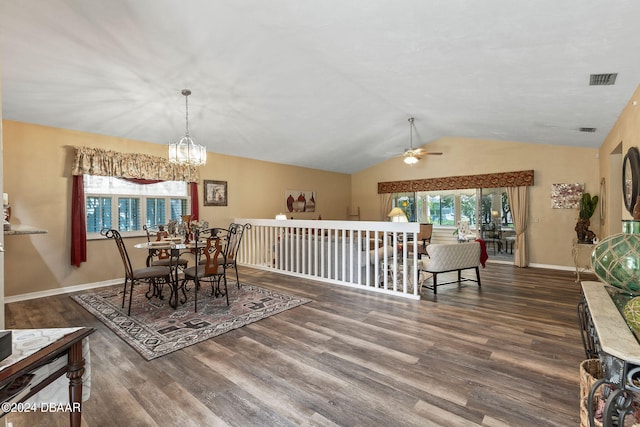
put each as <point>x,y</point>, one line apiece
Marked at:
<point>587,129</point>
<point>602,79</point>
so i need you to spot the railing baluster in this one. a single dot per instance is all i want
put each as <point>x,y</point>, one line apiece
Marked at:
<point>378,256</point>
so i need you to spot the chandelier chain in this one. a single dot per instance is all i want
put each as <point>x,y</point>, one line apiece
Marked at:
<point>186,93</point>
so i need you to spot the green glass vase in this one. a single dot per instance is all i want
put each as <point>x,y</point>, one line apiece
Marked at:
<point>616,259</point>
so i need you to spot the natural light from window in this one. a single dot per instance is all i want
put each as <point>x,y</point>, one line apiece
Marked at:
<point>131,203</point>
<point>447,208</point>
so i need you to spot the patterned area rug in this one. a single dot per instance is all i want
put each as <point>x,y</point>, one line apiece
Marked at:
<point>155,329</point>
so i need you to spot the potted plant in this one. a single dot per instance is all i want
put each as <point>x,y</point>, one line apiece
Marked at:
<point>586,209</point>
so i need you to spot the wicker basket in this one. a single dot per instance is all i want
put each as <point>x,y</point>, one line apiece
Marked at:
<point>590,372</point>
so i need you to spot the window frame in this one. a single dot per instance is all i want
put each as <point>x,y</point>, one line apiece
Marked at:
<point>185,202</point>
<point>416,202</point>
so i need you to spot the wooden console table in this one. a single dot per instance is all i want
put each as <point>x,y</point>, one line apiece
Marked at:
<point>45,351</point>
<point>606,336</point>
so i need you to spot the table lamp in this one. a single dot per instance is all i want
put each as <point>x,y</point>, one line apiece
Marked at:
<point>397,215</point>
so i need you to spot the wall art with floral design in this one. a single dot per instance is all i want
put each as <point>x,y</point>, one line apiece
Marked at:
<point>566,196</point>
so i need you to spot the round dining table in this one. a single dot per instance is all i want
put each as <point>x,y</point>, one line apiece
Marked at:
<point>175,249</point>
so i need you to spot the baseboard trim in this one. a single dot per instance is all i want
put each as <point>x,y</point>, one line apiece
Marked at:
<point>534,265</point>
<point>86,286</point>
<point>58,291</point>
<point>554,267</point>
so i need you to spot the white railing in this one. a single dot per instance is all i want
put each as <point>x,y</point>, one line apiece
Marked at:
<point>358,254</point>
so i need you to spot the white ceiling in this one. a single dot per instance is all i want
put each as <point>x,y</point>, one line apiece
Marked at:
<point>327,84</point>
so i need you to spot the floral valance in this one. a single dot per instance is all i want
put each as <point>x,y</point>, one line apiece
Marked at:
<point>489,180</point>
<point>97,161</point>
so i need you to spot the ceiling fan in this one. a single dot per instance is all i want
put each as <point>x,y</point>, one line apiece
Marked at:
<point>412,155</point>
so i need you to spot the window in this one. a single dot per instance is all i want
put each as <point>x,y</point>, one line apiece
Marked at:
<point>129,214</point>
<point>440,209</point>
<point>156,210</point>
<point>495,207</point>
<point>406,202</point>
<point>98,213</point>
<point>132,204</point>
<point>446,208</point>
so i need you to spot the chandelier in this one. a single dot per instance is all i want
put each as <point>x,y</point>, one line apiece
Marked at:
<point>185,151</point>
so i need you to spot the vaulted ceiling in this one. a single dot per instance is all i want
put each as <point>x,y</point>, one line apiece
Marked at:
<point>323,84</point>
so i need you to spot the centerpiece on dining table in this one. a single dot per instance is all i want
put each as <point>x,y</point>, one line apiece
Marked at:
<point>199,227</point>
<point>188,227</point>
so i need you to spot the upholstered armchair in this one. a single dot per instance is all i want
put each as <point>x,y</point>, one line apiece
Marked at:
<point>448,257</point>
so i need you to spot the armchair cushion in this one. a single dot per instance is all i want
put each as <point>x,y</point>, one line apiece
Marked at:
<point>452,257</point>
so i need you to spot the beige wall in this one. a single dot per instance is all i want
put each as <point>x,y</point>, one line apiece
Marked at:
<point>623,135</point>
<point>37,165</point>
<point>551,231</point>
<point>37,161</point>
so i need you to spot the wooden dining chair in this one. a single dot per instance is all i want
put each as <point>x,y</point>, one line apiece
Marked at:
<point>154,276</point>
<point>424,236</point>
<point>209,265</point>
<point>230,241</point>
<point>161,257</point>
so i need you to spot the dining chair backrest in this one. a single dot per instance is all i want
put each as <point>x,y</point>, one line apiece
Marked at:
<point>146,230</point>
<point>115,235</point>
<point>426,231</point>
<point>234,238</point>
<point>159,229</point>
<point>211,251</point>
<point>424,237</point>
<point>160,234</point>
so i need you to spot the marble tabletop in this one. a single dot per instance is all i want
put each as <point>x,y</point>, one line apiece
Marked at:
<point>615,336</point>
<point>19,229</point>
<point>28,341</point>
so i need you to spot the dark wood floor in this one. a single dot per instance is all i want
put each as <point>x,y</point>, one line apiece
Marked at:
<point>506,354</point>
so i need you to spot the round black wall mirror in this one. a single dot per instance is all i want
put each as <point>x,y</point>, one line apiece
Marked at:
<point>630,176</point>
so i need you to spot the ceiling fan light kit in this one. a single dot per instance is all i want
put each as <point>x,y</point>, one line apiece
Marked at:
<point>410,159</point>
<point>412,155</point>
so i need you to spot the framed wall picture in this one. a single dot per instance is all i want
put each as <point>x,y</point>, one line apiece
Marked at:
<point>566,196</point>
<point>215,193</point>
<point>300,201</point>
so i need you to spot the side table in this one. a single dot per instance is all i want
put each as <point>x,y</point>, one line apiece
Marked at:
<point>581,253</point>
<point>34,349</point>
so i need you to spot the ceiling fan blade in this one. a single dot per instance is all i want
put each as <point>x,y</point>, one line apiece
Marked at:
<point>423,152</point>
<point>412,155</point>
